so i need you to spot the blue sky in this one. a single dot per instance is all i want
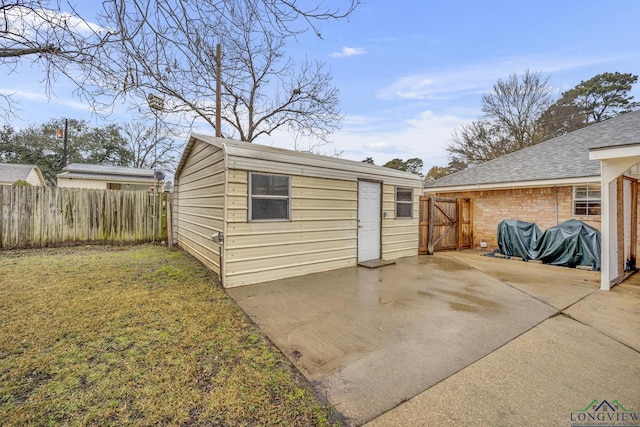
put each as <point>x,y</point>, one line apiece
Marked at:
<point>411,72</point>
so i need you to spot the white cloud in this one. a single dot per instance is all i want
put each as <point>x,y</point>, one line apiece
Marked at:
<point>424,135</point>
<point>42,98</point>
<point>378,146</point>
<point>25,95</point>
<point>358,120</point>
<point>348,51</point>
<point>477,77</point>
<point>31,23</point>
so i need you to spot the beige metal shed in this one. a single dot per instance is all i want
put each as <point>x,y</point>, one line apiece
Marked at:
<point>108,177</point>
<point>253,213</point>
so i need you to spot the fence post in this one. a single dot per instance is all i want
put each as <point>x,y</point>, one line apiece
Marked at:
<point>432,223</point>
<point>169,223</point>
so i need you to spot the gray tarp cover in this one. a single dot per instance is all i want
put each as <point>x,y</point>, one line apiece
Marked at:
<point>517,238</point>
<point>568,244</point>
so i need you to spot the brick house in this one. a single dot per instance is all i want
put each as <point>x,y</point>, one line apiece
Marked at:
<point>555,181</point>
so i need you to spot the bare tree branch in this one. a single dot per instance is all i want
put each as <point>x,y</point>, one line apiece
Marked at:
<point>510,122</point>
<point>60,43</point>
<point>170,49</point>
<point>142,46</point>
<point>150,150</point>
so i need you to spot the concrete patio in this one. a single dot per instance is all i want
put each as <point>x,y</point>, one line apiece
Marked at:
<point>444,339</point>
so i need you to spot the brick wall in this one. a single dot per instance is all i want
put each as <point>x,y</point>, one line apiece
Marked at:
<point>527,204</point>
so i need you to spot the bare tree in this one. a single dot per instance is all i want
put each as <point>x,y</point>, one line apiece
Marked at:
<point>39,28</point>
<point>60,43</point>
<point>479,142</point>
<point>509,122</point>
<point>284,15</point>
<point>516,103</point>
<point>172,52</point>
<point>174,36</point>
<point>151,150</point>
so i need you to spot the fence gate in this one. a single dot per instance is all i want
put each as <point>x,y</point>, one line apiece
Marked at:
<point>445,224</point>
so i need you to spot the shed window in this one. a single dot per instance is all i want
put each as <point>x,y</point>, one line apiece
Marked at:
<point>270,197</point>
<point>586,200</point>
<point>404,202</point>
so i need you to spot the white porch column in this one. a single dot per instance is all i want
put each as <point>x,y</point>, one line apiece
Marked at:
<point>610,169</point>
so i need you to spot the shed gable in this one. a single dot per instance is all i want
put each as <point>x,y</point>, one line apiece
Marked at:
<point>200,203</point>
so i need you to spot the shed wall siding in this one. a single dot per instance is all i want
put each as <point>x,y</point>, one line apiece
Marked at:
<point>536,205</point>
<point>34,179</point>
<point>322,233</point>
<point>81,183</point>
<point>200,204</point>
<point>399,235</point>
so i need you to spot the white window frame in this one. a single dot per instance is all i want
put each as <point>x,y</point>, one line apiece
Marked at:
<point>403,202</point>
<point>589,201</point>
<point>268,197</point>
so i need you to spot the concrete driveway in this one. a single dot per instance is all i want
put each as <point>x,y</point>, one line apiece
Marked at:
<point>371,339</point>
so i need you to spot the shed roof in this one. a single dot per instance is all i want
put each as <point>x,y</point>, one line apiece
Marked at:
<point>256,157</point>
<point>107,170</point>
<point>106,173</point>
<point>560,159</point>
<point>12,172</point>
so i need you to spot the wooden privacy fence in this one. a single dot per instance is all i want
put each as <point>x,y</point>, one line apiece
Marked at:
<point>35,217</point>
<point>445,224</point>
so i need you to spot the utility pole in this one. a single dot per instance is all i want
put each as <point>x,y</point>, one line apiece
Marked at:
<point>64,135</point>
<point>155,103</point>
<point>218,90</point>
<point>65,155</point>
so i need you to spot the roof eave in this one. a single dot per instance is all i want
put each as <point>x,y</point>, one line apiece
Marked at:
<point>614,152</point>
<point>242,156</point>
<point>513,184</point>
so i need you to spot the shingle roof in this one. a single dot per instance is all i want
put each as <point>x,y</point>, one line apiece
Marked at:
<point>10,173</point>
<point>566,156</point>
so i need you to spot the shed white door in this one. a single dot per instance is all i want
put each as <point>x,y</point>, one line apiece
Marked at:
<point>369,206</point>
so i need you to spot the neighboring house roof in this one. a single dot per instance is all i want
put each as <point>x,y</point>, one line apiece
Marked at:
<point>106,173</point>
<point>256,157</point>
<point>562,159</point>
<point>10,173</point>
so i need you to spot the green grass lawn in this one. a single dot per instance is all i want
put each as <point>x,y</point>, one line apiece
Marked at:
<point>135,336</point>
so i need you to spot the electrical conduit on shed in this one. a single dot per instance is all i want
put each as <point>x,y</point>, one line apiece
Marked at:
<point>223,254</point>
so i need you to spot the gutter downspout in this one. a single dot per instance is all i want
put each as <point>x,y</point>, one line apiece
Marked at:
<point>555,201</point>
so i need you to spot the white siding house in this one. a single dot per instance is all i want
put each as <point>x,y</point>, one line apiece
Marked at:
<point>10,173</point>
<point>277,213</point>
<point>106,177</point>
